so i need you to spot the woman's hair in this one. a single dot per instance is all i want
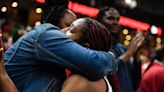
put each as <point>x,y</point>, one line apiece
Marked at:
<point>53,11</point>
<point>97,35</point>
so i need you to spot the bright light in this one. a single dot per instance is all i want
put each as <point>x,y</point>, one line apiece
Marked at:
<point>37,23</point>
<point>133,4</point>
<point>128,1</point>
<point>125,21</point>
<point>126,42</point>
<point>28,28</point>
<point>158,45</point>
<point>4,9</point>
<point>38,10</point>
<point>159,31</point>
<point>154,29</point>
<point>40,1</point>
<point>14,4</point>
<point>125,31</point>
<point>83,9</point>
<point>128,37</point>
<point>158,40</point>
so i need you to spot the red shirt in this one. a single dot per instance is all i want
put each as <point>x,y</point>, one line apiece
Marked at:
<point>153,79</point>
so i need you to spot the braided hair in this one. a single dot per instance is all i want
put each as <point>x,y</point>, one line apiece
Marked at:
<point>97,35</point>
<point>54,11</point>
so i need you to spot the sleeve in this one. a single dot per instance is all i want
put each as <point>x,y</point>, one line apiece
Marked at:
<point>149,83</point>
<point>55,47</point>
<point>120,62</point>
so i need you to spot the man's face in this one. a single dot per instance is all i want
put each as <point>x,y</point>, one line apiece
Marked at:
<point>111,19</point>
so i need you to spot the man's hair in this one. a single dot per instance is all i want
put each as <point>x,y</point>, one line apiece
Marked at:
<point>54,11</point>
<point>97,35</point>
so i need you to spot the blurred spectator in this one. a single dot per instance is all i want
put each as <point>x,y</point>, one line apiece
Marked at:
<point>18,30</point>
<point>6,28</point>
<point>110,17</point>
<point>153,77</point>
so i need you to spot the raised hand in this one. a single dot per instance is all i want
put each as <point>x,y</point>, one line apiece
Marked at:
<point>136,42</point>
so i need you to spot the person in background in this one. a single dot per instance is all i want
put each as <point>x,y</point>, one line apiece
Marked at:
<point>37,61</point>
<point>110,18</point>
<point>153,77</point>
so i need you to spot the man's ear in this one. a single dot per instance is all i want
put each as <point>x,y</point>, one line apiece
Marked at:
<point>86,45</point>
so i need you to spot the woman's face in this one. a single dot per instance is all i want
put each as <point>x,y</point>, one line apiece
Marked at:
<point>67,20</point>
<point>74,32</point>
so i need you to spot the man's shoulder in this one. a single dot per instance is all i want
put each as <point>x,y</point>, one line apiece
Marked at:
<point>46,26</point>
<point>48,30</point>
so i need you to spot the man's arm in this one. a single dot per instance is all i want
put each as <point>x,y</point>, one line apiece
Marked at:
<point>57,48</point>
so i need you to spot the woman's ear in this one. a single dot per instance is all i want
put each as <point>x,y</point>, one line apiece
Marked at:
<point>86,45</point>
